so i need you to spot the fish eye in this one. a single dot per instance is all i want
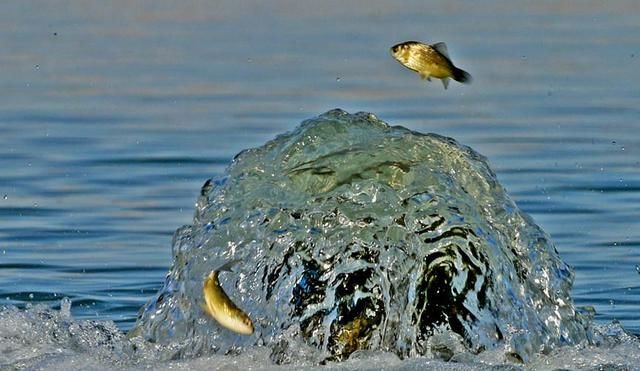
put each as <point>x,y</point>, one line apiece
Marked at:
<point>395,48</point>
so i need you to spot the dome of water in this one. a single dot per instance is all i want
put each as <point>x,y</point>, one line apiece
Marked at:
<point>353,235</point>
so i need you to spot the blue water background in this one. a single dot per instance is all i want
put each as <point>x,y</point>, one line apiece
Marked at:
<point>113,114</point>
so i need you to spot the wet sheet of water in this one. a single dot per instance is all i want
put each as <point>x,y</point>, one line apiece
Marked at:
<point>115,113</point>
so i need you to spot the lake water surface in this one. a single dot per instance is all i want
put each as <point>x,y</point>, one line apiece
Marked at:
<point>115,113</point>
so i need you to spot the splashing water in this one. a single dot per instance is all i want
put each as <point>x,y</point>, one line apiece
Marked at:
<point>363,244</point>
<point>354,235</point>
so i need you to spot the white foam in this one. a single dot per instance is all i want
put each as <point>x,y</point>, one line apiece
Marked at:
<point>39,338</point>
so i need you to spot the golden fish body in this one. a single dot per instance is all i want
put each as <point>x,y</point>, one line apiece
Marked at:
<point>429,61</point>
<point>219,306</point>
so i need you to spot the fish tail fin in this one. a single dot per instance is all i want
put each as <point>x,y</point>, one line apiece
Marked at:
<point>461,76</point>
<point>226,267</point>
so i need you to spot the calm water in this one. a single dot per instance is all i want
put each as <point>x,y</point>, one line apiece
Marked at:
<point>113,114</point>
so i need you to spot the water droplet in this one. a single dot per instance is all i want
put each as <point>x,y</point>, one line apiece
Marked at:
<point>249,60</point>
<point>612,302</point>
<point>638,268</point>
<point>5,197</point>
<point>65,307</point>
<point>338,78</point>
<point>31,296</point>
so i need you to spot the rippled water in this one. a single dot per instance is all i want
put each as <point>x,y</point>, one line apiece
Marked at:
<point>114,114</point>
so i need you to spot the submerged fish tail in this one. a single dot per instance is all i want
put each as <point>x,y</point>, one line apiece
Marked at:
<point>227,267</point>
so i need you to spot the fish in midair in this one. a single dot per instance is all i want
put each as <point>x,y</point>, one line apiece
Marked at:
<point>429,61</point>
<point>219,306</point>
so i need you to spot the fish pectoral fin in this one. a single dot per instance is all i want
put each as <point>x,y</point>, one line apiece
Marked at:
<point>445,82</point>
<point>425,77</point>
<point>441,48</point>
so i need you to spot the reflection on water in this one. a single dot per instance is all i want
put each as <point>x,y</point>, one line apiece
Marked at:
<point>113,114</point>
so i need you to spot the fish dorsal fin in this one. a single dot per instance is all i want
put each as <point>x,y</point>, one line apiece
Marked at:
<point>441,48</point>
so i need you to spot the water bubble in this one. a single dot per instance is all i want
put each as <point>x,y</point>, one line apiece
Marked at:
<point>638,268</point>
<point>5,197</point>
<point>338,78</point>
<point>31,296</point>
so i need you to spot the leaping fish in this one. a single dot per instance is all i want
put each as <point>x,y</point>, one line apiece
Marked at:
<point>429,61</point>
<point>218,305</point>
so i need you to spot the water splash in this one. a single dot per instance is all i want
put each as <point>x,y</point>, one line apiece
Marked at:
<point>354,236</point>
<point>41,338</point>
